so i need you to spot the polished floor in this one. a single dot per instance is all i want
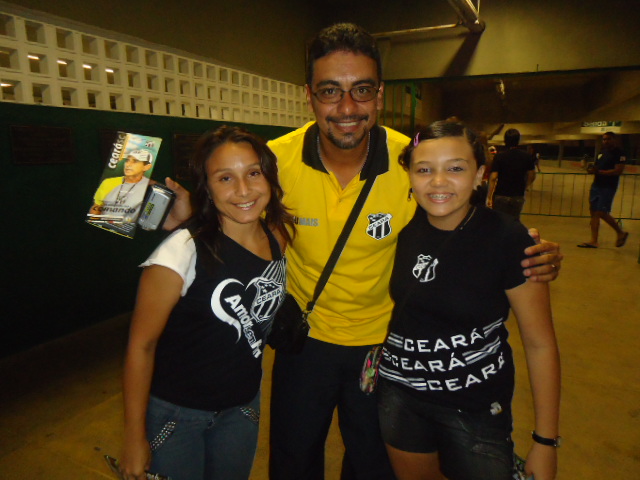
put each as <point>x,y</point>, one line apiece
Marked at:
<point>61,403</point>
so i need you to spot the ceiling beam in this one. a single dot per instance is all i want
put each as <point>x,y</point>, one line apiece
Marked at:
<point>469,15</point>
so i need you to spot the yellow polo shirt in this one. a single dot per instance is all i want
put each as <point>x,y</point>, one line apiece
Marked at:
<point>355,307</point>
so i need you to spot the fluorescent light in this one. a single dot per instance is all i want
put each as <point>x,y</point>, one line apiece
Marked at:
<point>6,85</point>
<point>86,66</point>
<point>108,70</point>
<point>33,57</point>
<point>62,62</point>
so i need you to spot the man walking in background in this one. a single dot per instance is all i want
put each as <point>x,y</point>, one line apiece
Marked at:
<point>606,174</point>
<point>512,172</point>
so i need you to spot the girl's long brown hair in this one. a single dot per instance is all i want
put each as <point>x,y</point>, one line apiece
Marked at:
<point>205,222</point>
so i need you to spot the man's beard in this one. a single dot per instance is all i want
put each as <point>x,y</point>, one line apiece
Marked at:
<point>348,141</point>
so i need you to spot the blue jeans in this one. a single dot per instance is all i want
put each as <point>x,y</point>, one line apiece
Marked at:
<point>471,445</point>
<point>306,389</point>
<point>191,444</point>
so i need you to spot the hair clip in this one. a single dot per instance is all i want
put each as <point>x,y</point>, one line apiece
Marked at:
<point>416,140</point>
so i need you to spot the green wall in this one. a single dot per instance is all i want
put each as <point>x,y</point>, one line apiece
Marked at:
<point>59,273</point>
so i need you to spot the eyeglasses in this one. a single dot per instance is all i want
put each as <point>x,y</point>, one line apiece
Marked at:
<point>361,93</point>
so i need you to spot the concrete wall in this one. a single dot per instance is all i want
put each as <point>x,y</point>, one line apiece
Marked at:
<point>264,37</point>
<point>267,37</point>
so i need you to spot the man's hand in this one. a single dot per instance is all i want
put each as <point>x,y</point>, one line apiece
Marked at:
<point>544,261</point>
<point>181,209</point>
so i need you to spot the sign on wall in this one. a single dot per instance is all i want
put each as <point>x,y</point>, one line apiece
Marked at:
<point>41,145</point>
<point>601,127</point>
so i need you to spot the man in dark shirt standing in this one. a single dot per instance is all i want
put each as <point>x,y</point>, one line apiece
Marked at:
<point>606,173</point>
<point>512,172</point>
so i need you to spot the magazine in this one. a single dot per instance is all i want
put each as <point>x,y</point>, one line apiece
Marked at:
<point>121,191</point>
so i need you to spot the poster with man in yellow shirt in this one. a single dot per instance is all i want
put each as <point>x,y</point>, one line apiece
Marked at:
<point>118,199</point>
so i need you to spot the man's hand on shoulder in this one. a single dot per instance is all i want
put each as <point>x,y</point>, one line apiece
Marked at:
<point>544,259</point>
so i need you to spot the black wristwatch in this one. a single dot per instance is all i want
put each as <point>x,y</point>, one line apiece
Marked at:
<point>550,442</point>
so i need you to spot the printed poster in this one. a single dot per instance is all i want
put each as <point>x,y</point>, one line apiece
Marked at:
<point>121,191</point>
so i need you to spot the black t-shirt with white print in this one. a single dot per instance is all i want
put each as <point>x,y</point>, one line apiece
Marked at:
<point>209,355</point>
<point>448,343</point>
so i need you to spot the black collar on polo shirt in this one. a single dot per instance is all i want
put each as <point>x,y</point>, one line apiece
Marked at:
<point>377,161</point>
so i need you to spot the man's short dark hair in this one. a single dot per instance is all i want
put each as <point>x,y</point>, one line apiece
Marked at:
<point>611,134</point>
<point>342,37</point>
<point>511,137</point>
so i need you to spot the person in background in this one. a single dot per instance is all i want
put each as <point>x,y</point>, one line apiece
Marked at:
<point>606,172</point>
<point>511,174</point>
<point>482,191</point>
<point>206,300</point>
<point>531,150</point>
<point>447,370</point>
<point>492,153</point>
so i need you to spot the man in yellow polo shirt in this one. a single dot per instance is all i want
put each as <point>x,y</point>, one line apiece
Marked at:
<point>358,285</point>
<point>322,167</point>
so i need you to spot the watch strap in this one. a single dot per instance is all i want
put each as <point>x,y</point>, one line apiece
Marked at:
<point>550,442</point>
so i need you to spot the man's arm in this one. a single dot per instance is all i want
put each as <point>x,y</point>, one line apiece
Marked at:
<point>614,172</point>
<point>98,198</point>
<point>493,182</point>
<point>531,176</point>
<point>96,209</point>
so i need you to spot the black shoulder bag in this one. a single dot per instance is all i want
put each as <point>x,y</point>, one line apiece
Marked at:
<point>290,326</point>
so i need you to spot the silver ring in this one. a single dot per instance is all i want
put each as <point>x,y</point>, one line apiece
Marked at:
<point>553,266</point>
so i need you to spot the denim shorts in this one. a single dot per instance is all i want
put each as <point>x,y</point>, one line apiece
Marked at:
<point>190,444</point>
<point>601,198</point>
<point>471,445</point>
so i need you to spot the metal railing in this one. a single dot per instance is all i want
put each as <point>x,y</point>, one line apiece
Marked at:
<point>567,195</point>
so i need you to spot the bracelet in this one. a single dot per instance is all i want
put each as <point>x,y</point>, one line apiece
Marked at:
<point>550,442</point>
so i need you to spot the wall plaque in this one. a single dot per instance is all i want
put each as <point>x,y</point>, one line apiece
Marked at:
<point>183,145</point>
<point>38,145</point>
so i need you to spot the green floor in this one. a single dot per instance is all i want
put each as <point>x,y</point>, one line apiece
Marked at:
<point>61,402</point>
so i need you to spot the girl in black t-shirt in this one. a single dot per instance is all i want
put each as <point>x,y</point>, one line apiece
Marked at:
<point>446,374</point>
<point>205,303</point>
